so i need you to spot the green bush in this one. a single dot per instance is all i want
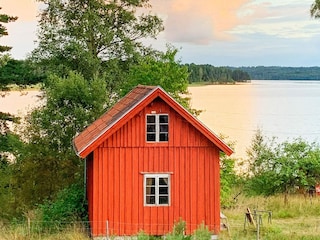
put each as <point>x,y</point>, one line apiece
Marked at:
<point>69,206</point>
<point>178,231</point>
<point>202,233</point>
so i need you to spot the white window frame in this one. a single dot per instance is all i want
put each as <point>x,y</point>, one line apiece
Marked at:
<point>157,126</point>
<point>156,176</point>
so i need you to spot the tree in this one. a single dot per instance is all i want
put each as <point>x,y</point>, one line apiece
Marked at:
<point>282,167</point>
<point>99,41</point>
<point>4,58</point>
<point>228,177</point>
<point>4,18</point>
<point>49,164</point>
<point>163,70</point>
<point>85,35</point>
<point>315,9</point>
<point>20,72</point>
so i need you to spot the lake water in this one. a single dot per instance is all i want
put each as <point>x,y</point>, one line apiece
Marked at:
<point>284,109</point>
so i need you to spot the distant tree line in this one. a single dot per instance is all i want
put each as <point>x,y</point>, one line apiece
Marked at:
<point>212,74</point>
<point>282,73</point>
<point>24,72</point>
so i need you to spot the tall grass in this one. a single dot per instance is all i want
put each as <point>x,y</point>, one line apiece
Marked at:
<point>298,220</point>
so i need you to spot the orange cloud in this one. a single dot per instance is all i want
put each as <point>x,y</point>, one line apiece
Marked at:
<point>25,10</point>
<point>200,21</point>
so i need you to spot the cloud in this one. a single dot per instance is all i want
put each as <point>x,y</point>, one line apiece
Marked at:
<point>200,21</point>
<point>281,19</point>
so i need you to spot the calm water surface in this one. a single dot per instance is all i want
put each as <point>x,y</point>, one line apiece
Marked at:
<point>284,109</point>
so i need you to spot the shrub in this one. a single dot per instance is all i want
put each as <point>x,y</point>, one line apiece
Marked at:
<point>202,233</point>
<point>69,206</point>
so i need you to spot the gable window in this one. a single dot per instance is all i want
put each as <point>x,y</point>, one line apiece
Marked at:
<point>157,127</point>
<point>156,189</point>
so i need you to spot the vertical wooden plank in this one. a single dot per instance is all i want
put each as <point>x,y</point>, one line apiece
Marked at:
<point>94,196</point>
<point>171,168</point>
<point>116,191</point>
<point>89,165</point>
<point>128,188</point>
<point>111,177</point>
<point>195,188</point>
<point>133,130</point>
<point>122,189</point>
<point>100,191</point>
<point>201,184</point>
<point>104,196</point>
<point>135,206</point>
<point>211,189</point>
<point>142,163</point>
<point>216,160</point>
<point>157,159</point>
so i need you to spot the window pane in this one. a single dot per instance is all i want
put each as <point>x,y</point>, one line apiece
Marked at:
<point>150,200</point>
<point>151,119</point>
<point>163,181</point>
<point>151,137</point>
<point>151,181</point>
<point>151,128</point>
<point>163,200</point>
<point>163,128</point>
<point>163,190</point>
<point>163,118</point>
<point>150,190</point>
<point>163,137</point>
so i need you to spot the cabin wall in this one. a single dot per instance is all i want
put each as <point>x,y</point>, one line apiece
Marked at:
<point>117,178</point>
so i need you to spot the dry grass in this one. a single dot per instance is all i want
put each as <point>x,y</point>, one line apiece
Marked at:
<point>20,232</point>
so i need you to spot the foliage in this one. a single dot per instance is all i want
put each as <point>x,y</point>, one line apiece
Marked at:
<point>49,163</point>
<point>20,72</point>
<point>4,58</point>
<point>69,206</point>
<point>282,167</point>
<point>4,18</point>
<point>315,9</point>
<point>212,74</point>
<point>202,233</point>
<point>228,177</point>
<point>178,231</point>
<point>161,69</point>
<point>83,35</point>
<point>142,236</point>
<point>281,73</point>
<point>10,146</point>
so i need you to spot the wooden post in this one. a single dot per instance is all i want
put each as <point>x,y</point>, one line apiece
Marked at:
<point>107,229</point>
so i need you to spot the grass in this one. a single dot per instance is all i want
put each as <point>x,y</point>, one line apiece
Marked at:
<point>299,220</point>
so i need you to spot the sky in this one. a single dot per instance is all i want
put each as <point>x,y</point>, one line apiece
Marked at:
<point>217,32</point>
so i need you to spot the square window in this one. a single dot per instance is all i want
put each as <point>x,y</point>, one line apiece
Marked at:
<point>157,127</point>
<point>156,189</point>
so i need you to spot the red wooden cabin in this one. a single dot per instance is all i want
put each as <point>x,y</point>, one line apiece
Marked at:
<point>150,163</point>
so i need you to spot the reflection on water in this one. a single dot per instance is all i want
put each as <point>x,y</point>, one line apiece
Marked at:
<point>284,109</point>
